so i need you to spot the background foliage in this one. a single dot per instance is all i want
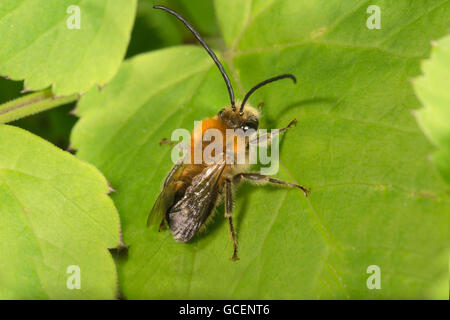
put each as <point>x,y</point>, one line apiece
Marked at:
<point>376,197</point>
<point>432,89</point>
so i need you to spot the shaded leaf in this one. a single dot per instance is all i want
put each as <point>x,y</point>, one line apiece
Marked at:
<point>200,13</point>
<point>152,30</point>
<point>9,90</point>
<point>54,125</point>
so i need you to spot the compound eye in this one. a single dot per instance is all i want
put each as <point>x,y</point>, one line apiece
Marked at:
<point>221,112</point>
<point>250,125</point>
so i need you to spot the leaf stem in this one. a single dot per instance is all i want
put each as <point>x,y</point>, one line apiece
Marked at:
<point>31,104</point>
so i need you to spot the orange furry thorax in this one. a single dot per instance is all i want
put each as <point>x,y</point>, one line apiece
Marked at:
<point>198,135</point>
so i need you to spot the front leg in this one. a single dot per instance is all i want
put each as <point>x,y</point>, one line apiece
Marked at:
<point>260,177</point>
<point>165,141</point>
<point>268,135</point>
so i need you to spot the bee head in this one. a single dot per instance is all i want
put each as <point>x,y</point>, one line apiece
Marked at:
<point>245,120</point>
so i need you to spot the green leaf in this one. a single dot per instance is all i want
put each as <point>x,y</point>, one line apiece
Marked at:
<point>54,213</point>
<point>375,198</point>
<point>432,90</point>
<point>38,46</point>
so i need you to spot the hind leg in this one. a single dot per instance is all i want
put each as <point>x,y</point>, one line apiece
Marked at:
<point>260,177</point>
<point>229,216</point>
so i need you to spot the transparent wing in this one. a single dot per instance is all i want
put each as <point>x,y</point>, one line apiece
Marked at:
<point>188,215</point>
<point>166,197</point>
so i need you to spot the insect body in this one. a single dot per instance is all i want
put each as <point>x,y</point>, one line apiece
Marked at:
<point>192,190</point>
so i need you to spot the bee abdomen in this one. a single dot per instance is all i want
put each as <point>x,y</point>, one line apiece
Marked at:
<point>183,226</point>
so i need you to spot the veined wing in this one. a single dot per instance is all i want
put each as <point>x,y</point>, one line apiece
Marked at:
<point>166,197</point>
<point>188,215</point>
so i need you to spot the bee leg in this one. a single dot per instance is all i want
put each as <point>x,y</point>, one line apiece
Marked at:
<point>165,141</point>
<point>292,123</point>
<point>229,216</point>
<point>268,136</point>
<point>162,225</point>
<point>260,177</point>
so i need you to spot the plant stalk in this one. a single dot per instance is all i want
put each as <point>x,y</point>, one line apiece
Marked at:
<point>31,104</point>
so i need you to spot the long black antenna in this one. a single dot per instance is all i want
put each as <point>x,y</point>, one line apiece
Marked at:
<point>207,48</point>
<point>259,85</point>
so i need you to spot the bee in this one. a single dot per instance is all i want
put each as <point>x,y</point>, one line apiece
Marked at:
<point>192,191</point>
